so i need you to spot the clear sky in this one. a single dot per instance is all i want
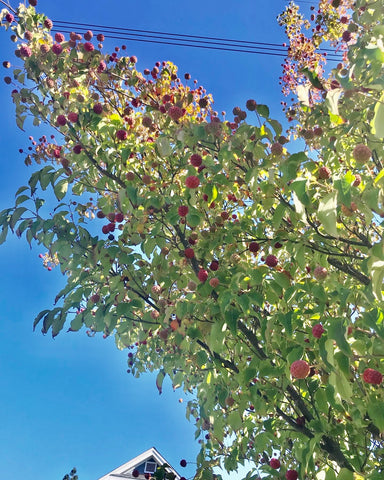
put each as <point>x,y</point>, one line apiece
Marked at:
<point>69,401</point>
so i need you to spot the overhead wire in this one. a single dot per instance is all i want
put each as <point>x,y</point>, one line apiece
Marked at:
<point>183,40</point>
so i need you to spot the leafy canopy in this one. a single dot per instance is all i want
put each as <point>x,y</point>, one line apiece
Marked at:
<point>213,251</point>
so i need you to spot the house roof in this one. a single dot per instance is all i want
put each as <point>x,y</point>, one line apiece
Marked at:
<point>125,471</point>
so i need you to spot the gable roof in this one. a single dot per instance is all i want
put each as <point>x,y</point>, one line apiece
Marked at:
<point>125,471</point>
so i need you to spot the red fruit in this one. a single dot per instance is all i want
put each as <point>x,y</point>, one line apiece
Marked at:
<point>175,113</point>
<point>135,473</point>
<point>77,149</point>
<point>95,298</point>
<point>202,275</point>
<point>214,266</point>
<point>300,369</point>
<point>9,17</point>
<point>189,252</point>
<point>25,51</point>
<point>372,376</point>
<point>59,37</point>
<point>88,35</point>
<point>61,120</point>
<point>317,330</point>
<point>88,47</point>
<point>277,149</point>
<point>320,273</point>
<point>98,108</point>
<point>57,48</point>
<point>271,261</point>
<point>196,160</point>
<point>254,247</point>
<point>130,176</point>
<point>121,135</point>
<point>251,105</point>
<point>100,214</point>
<point>183,463</point>
<point>133,59</point>
<point>44,48</point>
<point>192,182</point>
<point>146,179</point>
<point>291,475</point>
<point>119,217</point>
<point>274,463</point>
<point>318,131</point>
<point>324,173</point>
<point>48,23</point>
<point>111,227</point>
<point>346,36</point>
<point>183,210</point>
<point>361,153</point>
<point>100,37</point>
<point>214,282</point>
<point>224,215</point>
<point>102,66</point>
<point>73,117</point>
<point>33,3</point>
<point>105,229</point>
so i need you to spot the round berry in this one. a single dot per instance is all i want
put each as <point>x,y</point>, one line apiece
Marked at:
<point>317,330</point>
<point>196,160</point>
<point>183,210</point>
<point>271,261</point>
<point>121,135</point>
<point>189,252</point>
<point>183,463</point>
<point>372,376</point>
<point>214,265</point>
<point>88,47</point>
<point>192,181</point>
<point>300,369</point>
<point>324,173</point>
<point>274,463</point>
<point>361,153</point>
<point>320,273</point>
<point>61,120</point>
<point>202,275</point>
<point>254,247</point>
<point>291,475</point>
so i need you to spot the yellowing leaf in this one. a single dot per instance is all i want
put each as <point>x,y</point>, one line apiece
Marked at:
<point>377,123</point>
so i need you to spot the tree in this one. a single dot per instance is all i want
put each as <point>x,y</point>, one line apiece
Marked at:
<point>249,275</point>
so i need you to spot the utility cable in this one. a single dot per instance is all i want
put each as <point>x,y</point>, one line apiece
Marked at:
<point>166,38</point>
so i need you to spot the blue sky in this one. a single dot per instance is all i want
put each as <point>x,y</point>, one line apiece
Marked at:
<point>69,401</point>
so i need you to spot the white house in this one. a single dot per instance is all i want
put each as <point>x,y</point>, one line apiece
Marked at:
<point>142,467</point>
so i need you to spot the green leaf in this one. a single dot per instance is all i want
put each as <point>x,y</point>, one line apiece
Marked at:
<point>262,110</point>
<point>345,474</point>
<point>337,331</point>
<point>327,213</point>
<point>299,187</point>
<point>61,188</point>
<point>376,413</point>
<point>343,187</point>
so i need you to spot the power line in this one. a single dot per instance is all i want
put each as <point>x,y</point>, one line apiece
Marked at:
<point>183,40</point>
